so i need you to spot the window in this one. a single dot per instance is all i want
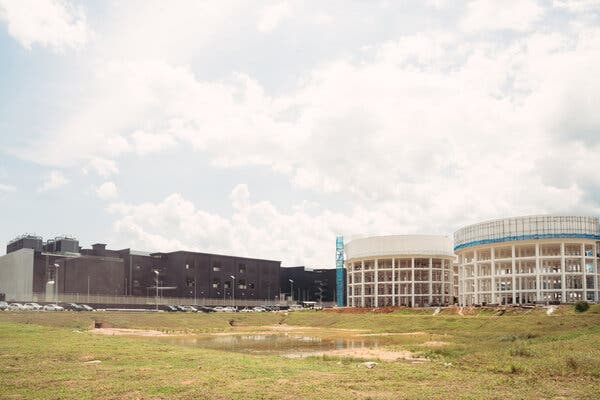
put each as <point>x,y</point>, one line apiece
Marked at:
<point>187,266</point>
<point>251,286</point>
<point>189,282</point>
<point>242,268</point>
<point>242,284</point>
<point>138,267</point>
<point>216,283</point>
<point>216,266</point>
<point>227,285</point>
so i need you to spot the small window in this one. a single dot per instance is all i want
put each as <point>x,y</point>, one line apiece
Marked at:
<point>138,267</point>
<point>216,283</point>
<point>187,266</point>
<point>227,285</point>
<point>251,286</point>
<point>189,282</point>
<point>216,266</point>
<point>242,268</point>
<point>216,269</point>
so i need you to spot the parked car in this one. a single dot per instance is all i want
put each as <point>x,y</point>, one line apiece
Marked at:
<point>189,308</point>
<point>53,307</point>
<point>87,308</point>
<point>16,307</point>
<point>33,306</point>
<point>246,309</point>
<point>206,309</point>
<point>219,309</point>
<point>3,305</point>
<point>171,309</point>
<point>259,309</point>
<point>73,307</point>
<point>229,309</point>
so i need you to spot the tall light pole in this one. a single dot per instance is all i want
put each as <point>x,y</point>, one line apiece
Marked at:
<point>233,289</point>
<point>56,266</point>
<point>292,290</point>
<point>156,284</point>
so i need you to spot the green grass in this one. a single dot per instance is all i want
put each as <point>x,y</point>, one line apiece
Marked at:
<point>520,355</point>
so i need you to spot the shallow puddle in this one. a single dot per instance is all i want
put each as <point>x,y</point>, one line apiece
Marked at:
<point>294,344</point>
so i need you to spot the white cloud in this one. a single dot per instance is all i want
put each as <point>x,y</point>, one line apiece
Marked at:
<point>577,6</point>
<point>430,133</point>
<point>55,24</point>
<point>255,229</point>
<point>145,143</point>
<point>107,191</point>
<point>485,15</point>
<point>102,166</point>
<point>420,133</point>
<point>54,180</point>
<point>273,15</point>
<point>7,188</point>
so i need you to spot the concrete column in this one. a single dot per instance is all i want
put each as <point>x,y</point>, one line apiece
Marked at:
<point>514,277</point>
<point>538,270</point>
<point>475,278</point>
<point>376,285</point>
<point>563,273</point>
<point>393,281</point>
<point>412,284</point>
<point>430,280</point>
<point>444,300</point>
<point>461,281</point>
<point>350,290</point>
<point>493,280</point>
<point>362,283</point>
<point>584,266</point>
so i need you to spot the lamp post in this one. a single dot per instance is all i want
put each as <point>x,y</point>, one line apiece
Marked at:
<point>233,290</point>
<point>156,284</point>
<point>292,289</point>
<point>56,266</point>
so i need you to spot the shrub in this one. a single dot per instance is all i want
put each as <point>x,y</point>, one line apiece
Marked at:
<point>582,306</point>
<point>572,363</point>
<point>520,351</point>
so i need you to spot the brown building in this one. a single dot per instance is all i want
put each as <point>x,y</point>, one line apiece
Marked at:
<point>32,270</point>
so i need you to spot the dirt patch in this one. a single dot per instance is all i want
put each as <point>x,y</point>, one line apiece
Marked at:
<point>131,332</point>
<point>434,343</point>
<point>363,353</point>
<point>393,334</point>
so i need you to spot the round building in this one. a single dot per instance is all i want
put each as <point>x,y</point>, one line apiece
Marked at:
<point>527,260</point>
<point>399,270</point>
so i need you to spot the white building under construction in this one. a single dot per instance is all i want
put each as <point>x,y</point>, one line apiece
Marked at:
<point>527,260</point>
<point>399,270</point>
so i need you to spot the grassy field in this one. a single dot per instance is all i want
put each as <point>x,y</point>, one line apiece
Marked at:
<point>521,354</point>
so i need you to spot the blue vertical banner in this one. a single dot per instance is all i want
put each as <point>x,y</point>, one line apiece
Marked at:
<point>339,273</point>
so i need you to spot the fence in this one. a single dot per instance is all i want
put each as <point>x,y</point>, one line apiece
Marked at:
<point>152,300</point>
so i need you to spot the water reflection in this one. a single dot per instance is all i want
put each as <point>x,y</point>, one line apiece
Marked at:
<point>275,343</point>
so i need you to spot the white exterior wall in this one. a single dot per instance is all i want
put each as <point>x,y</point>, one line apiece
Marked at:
<point>16,275</point>
<point>399,270</point>
<point>525,260</point>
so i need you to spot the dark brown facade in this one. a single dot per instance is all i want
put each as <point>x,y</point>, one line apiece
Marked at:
<point>182,274</point>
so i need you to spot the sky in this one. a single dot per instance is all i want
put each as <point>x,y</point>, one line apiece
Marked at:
<point>266,128</point>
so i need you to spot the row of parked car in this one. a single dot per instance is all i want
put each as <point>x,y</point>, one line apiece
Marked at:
<point>48,307</point>
<point>219,309</point>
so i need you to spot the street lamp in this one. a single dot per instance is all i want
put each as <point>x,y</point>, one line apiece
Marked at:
<point>292,290</point>
<point>233,290</point>
<point>56,266</point>
<point>156,284</point>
